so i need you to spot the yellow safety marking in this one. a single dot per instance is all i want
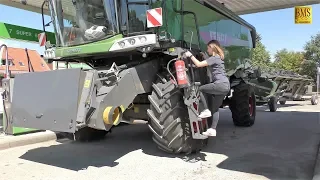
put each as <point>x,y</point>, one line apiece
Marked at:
<point>105,115</point>
<point>116,116</point>
<point>171,49</point>
<point>136,109</point>
<point>87,83</point>
<point>111,115</point>
<point>122,108</point>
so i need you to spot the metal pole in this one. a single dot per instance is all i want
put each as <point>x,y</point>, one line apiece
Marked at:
<point>318,73</point>
<point>43,24</point>
<point>7,76</point>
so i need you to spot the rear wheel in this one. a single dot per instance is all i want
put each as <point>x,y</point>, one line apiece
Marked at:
<point>169,120</point>
<point>282,102</point>
<point>273,104</point>
<point>243,105</point>
<point>314,100</point>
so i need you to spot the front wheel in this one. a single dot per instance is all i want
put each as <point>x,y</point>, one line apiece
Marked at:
<point>169,120</point>
<point>243,105</point>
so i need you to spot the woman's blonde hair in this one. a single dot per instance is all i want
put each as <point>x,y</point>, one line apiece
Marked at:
<point>215,45</point>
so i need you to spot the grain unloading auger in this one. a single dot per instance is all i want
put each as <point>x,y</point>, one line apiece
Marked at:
<point>138,71</point>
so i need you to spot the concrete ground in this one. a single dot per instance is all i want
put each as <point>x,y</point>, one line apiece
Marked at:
<point>281,145</point>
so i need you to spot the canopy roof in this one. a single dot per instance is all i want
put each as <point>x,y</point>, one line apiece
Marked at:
<point>240,7</point>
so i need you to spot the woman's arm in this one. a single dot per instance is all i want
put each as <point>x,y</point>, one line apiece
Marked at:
<point>198,63</point>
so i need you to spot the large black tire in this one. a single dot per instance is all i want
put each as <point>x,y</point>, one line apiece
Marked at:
<point>273,104</point>
<point>243,105</point>
<point>86,134</point>
<point>169,121</point>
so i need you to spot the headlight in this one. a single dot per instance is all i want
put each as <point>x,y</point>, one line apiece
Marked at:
<point>132,41</point>
<point>122,44</point>
<point>143,39</point>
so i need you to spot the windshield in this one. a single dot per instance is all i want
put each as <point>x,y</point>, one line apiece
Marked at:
<point>82,21</point>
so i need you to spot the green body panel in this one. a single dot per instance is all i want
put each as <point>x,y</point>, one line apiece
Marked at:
<point>91,48</point>
<point>12,130</point>
<point>20,130</point>
<point>9,31</point>
<point>234,37</point>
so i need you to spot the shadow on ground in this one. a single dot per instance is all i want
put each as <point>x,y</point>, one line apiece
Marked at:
<point>122,140</point>
<point>281,145</point>
<point>265,107</point>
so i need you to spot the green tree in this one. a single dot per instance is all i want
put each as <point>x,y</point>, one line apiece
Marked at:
<point>308,67</point>
<point>312,57</point>
<point>312,48</point>
<point>288,60</point>
<point>260,56</point>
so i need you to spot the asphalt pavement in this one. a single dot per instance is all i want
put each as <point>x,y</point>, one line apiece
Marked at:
<point>281,145</point>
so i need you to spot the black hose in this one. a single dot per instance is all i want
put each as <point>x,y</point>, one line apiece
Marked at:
<point>168,69</point>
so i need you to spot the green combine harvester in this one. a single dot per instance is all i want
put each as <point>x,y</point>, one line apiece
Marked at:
<point>133,49</point>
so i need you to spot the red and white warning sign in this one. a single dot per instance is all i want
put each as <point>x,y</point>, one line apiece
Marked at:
<point>154,17</point>
<point>42,39</point>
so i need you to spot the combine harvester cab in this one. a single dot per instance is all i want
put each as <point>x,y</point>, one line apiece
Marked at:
<point>138,71</point>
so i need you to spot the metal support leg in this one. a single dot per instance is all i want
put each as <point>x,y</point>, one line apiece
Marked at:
<point>4,125</point>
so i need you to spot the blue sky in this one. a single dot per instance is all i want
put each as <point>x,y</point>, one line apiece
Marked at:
<point>276,27</point>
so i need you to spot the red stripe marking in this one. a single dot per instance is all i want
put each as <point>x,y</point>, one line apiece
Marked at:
<point>43,41</point>
<point>153,20</point>
<point>159,11</point>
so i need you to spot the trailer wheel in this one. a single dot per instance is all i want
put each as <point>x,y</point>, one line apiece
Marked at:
<point>273,104</point>
<point>283,102</point>
<point>314,100</point>
<point>86,134</point>
<point>169,121</point>
<point>243,105</point>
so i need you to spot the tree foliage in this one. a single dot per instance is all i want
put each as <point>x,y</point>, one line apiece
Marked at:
<point>312,57</point>
<point>308,67</point>
<point>260,56</point>
<point>312,48</point>
<point>288,60</point>
<point>304,63</point>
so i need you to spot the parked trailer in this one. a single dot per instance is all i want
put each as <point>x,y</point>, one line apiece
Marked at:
<point>279,86</point>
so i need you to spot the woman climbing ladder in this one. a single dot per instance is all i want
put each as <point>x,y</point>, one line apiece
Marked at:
<point>219,86</point>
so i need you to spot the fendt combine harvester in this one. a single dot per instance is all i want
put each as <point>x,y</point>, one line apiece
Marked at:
<point>135,49</point>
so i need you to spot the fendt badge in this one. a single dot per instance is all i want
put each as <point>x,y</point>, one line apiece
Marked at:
<point>76,50</point>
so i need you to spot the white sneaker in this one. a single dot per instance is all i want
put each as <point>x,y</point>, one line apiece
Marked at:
<point>204,114</point>
<point>210,132</point>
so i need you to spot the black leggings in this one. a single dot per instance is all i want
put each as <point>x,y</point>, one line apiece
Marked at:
<point>216,91</point>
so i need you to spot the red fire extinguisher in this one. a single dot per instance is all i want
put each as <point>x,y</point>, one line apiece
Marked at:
<point>181,73</point>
